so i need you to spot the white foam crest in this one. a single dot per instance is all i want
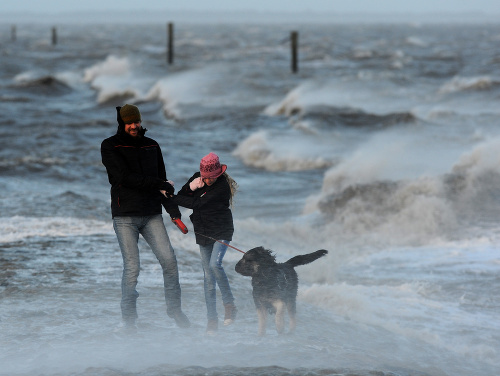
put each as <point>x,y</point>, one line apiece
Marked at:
<point>458,84</point>
<point>414,212</point>
<point>69,78</point>
<point>362,53</point>
<point>29,159</point>
<point>111,66</point>
<point>288,105</point>
<point>361,94</point>
<point>309,93</point>
<point>415,41</point>
<point>481,159</point>
<point>113,78</point>
<point>378,159</point>
<point>360,196</point>
<point>18,228</point>
<point>383,192</point>
<point>25,76</point>
<point>477,175</point>
<point>256,151</point>
<point>364,196</point>
<point>189,87</point>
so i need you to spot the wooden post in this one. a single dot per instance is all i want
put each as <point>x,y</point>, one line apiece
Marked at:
<point>170,47</point>
<point>54,36</point>
<point>294,37</point>
<point>13,33</point>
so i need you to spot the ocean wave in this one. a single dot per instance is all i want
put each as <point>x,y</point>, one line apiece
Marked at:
<point>361,54</point>
<point>313,102</point>
<point>415,41</point>
<point>112,79</point>
<point>186,88</point>
<point>196,370</point>
<point>8,98</point>
<point>32,163</point>
<point>19,228</point>
<point>49,85</point>
<point>111,66</point>
<point>415,209</point>
<point>256,151</point>
<point>161,91</point>
<point>461,84</point>
<point>355,118</point>
<point>473,183</point>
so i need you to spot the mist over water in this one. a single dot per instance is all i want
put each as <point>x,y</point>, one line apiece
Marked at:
<point>383,149</point>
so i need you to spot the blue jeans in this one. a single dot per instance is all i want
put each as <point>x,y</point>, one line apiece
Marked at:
<point>211,260</point>
<point>153,230</point>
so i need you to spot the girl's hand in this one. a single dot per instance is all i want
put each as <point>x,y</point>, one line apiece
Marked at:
<point>196,184</point>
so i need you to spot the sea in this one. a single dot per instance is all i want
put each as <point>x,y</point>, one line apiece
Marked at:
<point>383,148</point>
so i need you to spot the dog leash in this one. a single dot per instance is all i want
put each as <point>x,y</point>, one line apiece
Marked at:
<point>184,230</point>
<point>206,236</point>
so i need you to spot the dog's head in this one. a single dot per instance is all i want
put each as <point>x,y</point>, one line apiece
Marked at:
<point>254,260</point>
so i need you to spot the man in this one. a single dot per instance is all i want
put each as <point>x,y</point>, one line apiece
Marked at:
<point>139,188</point>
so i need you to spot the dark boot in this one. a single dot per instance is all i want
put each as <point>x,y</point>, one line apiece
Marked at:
<point>212,327</point>
<point>180,318</point>
<point>229,314</point>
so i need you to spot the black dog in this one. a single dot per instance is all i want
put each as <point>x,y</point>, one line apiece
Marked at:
<point>274,284</point>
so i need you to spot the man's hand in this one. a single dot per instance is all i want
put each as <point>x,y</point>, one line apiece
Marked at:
<point>168,187</point>
<point>164,193</point>
<point>180,225</point>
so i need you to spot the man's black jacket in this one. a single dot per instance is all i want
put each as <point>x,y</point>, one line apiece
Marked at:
<point>136,172</point>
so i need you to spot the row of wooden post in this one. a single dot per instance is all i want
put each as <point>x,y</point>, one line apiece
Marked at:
<point>13,35</point>
<point>294,42</point>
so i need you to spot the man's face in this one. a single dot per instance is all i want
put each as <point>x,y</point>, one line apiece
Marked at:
<point>133,129</point>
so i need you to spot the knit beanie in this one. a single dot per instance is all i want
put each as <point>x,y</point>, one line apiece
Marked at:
<point>130,114</point>
<point>210,167</point>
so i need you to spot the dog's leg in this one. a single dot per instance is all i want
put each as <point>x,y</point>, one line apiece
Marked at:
<point>262,314</point>
<point>292,310</point>
<point>293,322</point>
<point>280,316</point>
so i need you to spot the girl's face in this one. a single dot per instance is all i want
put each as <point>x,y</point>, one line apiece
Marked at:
<point>209,181</point>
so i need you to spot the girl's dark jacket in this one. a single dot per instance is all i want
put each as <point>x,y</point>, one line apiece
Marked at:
<point>211,214</point>
<point>136,172</point>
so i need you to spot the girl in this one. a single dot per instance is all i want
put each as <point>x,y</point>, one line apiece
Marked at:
<point>209,194</point>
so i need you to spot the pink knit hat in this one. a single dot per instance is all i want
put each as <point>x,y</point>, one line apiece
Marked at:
<point>210,167</point>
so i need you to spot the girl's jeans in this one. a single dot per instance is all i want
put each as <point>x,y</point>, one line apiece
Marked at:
<point>211,260</point>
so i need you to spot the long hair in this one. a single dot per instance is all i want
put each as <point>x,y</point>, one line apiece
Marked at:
<point>233,186</point>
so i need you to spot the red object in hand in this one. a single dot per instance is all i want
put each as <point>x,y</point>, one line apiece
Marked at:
<point>180,225</point>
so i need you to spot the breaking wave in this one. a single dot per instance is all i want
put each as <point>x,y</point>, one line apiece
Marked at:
<point>460,84</point>
<point>416,209</point>
<point>323,105</point>
<point>256,151</point>
<point>112,79</point>
<point>48,85</point>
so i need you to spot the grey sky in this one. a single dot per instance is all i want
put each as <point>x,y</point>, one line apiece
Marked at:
<point>337,6</point>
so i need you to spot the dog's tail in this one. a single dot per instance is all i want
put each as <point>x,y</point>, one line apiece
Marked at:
<point>306,259</point>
